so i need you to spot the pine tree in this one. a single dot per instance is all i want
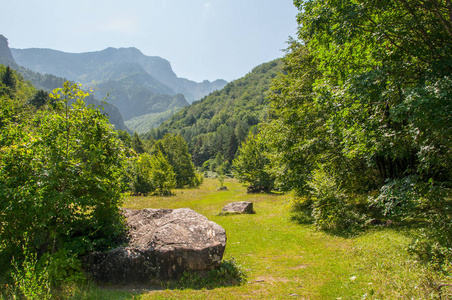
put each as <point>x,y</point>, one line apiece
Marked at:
<point>9,82</point>
<point>137,144</point>
<point>8,78</point>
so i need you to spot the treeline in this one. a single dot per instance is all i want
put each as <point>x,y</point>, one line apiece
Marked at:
<point>216,125</point>
<point>360,122</point>
<point>158,166</point>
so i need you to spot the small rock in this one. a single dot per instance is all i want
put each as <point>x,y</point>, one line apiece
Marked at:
<point>241,207</point>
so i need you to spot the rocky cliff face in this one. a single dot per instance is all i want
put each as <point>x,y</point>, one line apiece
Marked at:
<point>6,57</point>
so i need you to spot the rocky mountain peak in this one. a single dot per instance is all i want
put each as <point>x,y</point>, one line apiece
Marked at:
<point>5,52</point>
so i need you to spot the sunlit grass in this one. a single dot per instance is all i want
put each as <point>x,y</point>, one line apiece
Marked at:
<point>286,260</point>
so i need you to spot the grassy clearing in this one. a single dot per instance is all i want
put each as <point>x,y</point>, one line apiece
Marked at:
<point>286,260</point>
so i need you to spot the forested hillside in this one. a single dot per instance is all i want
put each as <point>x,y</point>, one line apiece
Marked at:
<point>50,82</point>
<point>218,123</point>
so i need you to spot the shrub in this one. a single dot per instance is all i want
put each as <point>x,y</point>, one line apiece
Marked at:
<point>227,274</point>
<point>62,267</point>
<point>251,163</point>
<point>330,208</point>
<point>398,197</point>
<point>31,280</point>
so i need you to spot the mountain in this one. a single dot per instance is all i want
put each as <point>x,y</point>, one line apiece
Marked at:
<point>50,82</point>
<point>103,65</point>
<point>6,57</point>
<point>220,121</point>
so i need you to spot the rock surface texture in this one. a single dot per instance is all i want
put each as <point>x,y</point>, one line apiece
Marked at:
<point>163,243</point>
<point>241,207</point>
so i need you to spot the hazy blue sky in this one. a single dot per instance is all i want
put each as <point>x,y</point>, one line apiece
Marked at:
<point>203,39</point>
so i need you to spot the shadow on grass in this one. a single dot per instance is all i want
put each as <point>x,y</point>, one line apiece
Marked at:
<point>353,228</point>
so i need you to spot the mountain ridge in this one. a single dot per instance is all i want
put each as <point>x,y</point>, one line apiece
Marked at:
<point>49,82</point>
<point>76,66</point>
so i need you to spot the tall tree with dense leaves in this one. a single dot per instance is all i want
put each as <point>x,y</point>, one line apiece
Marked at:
<point>251,165</point>
<point>175,150</point>
<point>59,177</point>
<point>385,69</point>
<point>40,99</point>
<point>137,144</point>
<point>8,79</point>
<point>366,96</point>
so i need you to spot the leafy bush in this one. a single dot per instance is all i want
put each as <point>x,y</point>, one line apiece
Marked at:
<point>250,165</point>
<point>151,174</point>
<point>62,267</point>
<point>227,274</point>
<point>31,280</point>
<point>398,197</point>
<point>175,151</point>
<point>162,175</point>
<point>330,208</point>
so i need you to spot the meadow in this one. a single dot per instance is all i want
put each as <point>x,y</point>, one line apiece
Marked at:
<point>283,259</point>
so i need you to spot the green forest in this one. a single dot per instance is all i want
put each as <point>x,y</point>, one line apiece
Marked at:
<point>216,125</point>
<point>354,123</point>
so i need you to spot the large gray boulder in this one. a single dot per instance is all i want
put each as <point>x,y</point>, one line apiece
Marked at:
<point>241,207</point>
<point>163,243</point>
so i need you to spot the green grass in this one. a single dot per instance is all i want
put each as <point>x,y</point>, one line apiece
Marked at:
<point>286,260</point>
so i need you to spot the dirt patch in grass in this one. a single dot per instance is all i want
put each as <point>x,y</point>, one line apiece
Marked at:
<point>268,279</point>
<point>299,267</point>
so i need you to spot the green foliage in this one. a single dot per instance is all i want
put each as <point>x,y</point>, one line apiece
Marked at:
<point>175,150</point>
<point>59,173</point>
<point>162,175</point>
<point>399,197</point>
<point>251,164</point>
<point>125,138</point>
<point>62,268</point>
<point>219,122</point>
<point>139,175</point>
<point>32,281</point>
<point>151,174</point>
<point>13,86</point>
<point>40,99</point>
<point>331,209</point>
<point>366,95</point>
<point>296,134</point>
<point>229,273</point>
<point>137,144</point>
<point>8,81</point>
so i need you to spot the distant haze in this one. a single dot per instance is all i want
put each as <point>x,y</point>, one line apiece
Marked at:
<point>203,39</point>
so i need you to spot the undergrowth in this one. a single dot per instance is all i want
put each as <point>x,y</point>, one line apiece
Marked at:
<point>229,273</point>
